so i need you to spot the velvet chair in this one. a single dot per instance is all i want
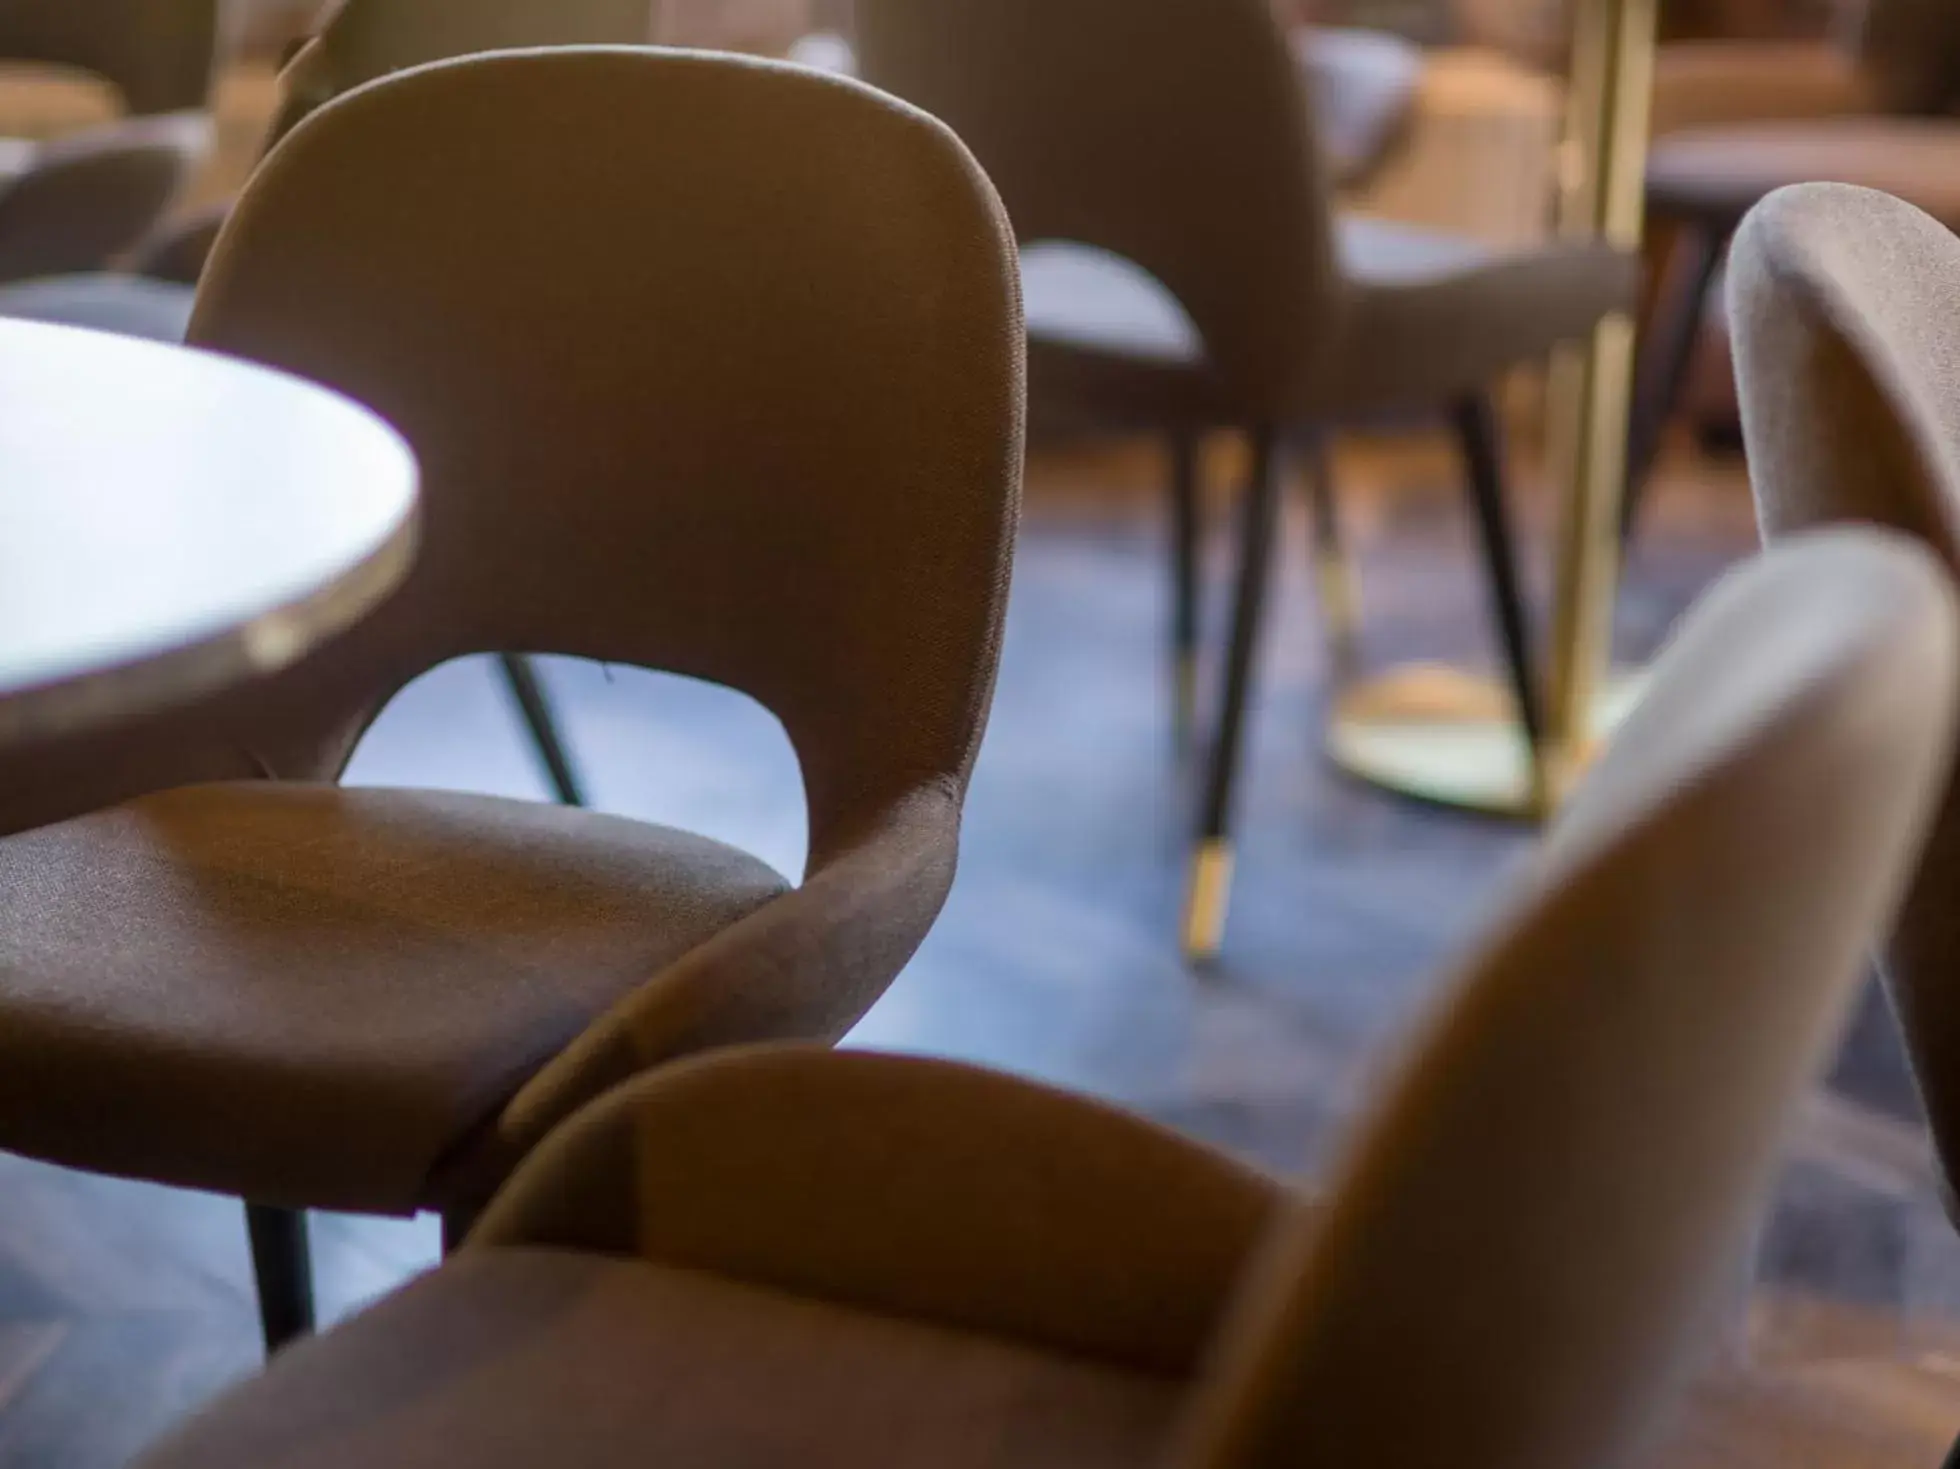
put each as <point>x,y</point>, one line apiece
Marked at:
<point>249,980</point>
<point>781,1256</point>
<point>1882,116</point>
<point>1845,307</point>
<point>1185,271</point>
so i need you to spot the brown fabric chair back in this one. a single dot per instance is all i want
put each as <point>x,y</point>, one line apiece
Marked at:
<point>160,54</point>
<point>1176,134</point>
<point>1513,1262</point>
<point>712,366</point>
<point>366,39</point>
<point>1845,306</point>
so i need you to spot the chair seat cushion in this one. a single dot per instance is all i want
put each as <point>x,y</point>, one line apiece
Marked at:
<point>1431,316</point>
<point>528,1357</point>
<point>1719,174</point>
<point>1434,316</point>
<point>128,305</point>
<point>308,995</point>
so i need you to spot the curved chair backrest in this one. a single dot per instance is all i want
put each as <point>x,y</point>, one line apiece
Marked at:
<point>712,366</point>
<point>1845,305</point>
<point>364,40</point>
<point>160,54</point>
<point>1513,1262</point>
<point>1176,134</point>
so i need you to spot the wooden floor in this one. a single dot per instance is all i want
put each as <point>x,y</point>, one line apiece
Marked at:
<point>122,1306</point>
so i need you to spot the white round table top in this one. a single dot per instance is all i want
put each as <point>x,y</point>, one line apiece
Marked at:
<point>173,521</point>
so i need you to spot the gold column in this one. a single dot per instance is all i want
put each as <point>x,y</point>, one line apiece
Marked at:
<point>1448,735</point>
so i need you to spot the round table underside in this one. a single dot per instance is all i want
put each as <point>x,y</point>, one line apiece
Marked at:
<point>172,522</point>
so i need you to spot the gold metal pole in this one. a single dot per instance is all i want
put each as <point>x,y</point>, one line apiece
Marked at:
<point>1613,83</point>
<point>1451,736</point>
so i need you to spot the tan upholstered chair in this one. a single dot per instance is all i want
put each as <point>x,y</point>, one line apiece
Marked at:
<point>377,1000</point>
<point>360,41</point>
<point>1886,123</point>
<point>782,1256</point>
<point>1184,271</point>
<point>1845,306</point>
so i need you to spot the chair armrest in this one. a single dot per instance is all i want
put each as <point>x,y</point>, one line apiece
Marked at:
<point>1700,84</point>
<point>910,1187</point>
<point>803,967</point>
<point>83,200</point>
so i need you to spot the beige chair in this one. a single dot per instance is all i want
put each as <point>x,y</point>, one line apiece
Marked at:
<point>1845,307</point>
<point>1885,122</point>
<point>360,41</point>
<point>379,1001</point>
<point>781,1256</point>
<point>1184,272</point>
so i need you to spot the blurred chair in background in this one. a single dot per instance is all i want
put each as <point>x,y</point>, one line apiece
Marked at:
<point>1185,271</point>
<point>362,40</point>
<point>81,185</point>
<point>1737,122</point>
<point>380,1000</point>
<point>1846,314</point>
<point>784,1256</point>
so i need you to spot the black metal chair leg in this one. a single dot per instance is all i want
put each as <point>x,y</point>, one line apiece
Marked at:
<point>1211,872</point>
<point>1184,581</point>
<point>538,719</point>
<point>1482,444</point>
<point>1661,372</point>
<point>282,1265</point>
<point>1333,578</point>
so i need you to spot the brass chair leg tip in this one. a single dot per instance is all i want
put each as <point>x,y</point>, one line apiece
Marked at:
<point>1207,902</point>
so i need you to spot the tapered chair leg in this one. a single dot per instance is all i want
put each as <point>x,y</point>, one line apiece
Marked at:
<point>1482,444</point>
<point>1661,372</point>
<point>1333,575</point>
<point>282,1266</point>
<point>1209,892</point>
<point>525,688</point>
<point>1184,582</point>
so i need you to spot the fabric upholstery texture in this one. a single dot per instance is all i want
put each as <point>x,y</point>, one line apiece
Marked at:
<point>1845,308</point>
<point>1181,137</point>
<point>363,40</point>
<point>324,988</point>
<point>650,433</point>
<point>727,1260</point>
<point>522,1358</point>
<point>1719,174</point>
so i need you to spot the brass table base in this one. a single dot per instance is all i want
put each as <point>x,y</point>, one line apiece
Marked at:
<point>1450,736</point>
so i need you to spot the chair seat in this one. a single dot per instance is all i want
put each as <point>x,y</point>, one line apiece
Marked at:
<point>1435,315</point>
<point>530,1357</point>
<point>309,995</point>
<point>129,305</point>
<point>1719,174</point>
